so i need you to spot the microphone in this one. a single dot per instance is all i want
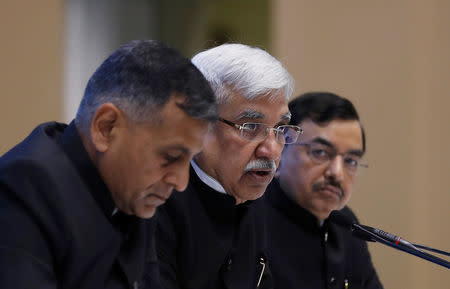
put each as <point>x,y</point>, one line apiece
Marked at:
<point>376,235</point>
<point>360,231</point>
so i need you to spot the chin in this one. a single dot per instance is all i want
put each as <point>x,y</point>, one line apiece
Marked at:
<point>253,196</point>
<point>146,213</point>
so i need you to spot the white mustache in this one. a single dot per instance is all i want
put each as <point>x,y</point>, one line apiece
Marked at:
<point>261,164</point>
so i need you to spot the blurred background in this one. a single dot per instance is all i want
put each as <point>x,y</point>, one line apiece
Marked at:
<point>390,57</point>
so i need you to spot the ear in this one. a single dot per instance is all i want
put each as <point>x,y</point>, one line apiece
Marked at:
<point>104,126</point>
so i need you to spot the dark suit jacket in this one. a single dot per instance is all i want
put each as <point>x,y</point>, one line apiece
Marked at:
<point>56,223</point>
<point>308,256</point>
<point>205,241</point>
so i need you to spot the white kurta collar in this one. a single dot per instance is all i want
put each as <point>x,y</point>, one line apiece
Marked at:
<point>208,180</point>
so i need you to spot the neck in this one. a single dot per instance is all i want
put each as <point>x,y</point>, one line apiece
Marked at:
<point>198,162</point>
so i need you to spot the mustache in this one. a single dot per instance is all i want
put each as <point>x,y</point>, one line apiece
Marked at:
<point>261,164</point>
<point>319,186</point>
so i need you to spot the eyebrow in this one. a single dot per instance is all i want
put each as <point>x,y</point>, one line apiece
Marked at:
<point>325,142</point>
<point>179,147</point>
<point>358,153</point>
<point>250,114</point>
<point>254,114</point>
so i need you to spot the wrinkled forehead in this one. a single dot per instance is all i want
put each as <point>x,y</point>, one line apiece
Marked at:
<point>271,107</point>
<point>259,115</point>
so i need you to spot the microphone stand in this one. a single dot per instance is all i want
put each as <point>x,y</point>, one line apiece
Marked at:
<point>415,252</point>
<point>432,249</point>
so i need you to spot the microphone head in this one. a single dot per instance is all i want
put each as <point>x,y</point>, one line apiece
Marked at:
<point>341,219</point>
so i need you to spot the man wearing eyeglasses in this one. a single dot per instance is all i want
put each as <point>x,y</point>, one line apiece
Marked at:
<point>316,176</point>
<point>212,234</point>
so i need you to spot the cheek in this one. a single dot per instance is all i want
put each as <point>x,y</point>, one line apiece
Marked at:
<point>295,168</point>
<point>234,154</point>
<point>348,186</point>
<point>151,174</point>
<point>293,176</point>
<point>305,179</point>
<point>143,169</point>
<point>306,176</point>
<point>233,145</point>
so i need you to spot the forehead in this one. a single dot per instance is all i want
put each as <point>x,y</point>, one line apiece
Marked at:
<point>345,135</point>
<point>272,107</point>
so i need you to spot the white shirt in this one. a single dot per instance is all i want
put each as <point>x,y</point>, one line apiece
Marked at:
<point>208,180</point>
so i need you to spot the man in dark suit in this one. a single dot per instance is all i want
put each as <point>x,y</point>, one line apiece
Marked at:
<point>74,198</point>
<point>316,176</point>
<point>212,234</point>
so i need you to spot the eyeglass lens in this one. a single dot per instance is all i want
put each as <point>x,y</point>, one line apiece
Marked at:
<point>322,154</point>
<point>285,134</point>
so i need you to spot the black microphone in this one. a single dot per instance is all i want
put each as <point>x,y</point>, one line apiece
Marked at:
<point>376,235</point>
<point>360,231</point>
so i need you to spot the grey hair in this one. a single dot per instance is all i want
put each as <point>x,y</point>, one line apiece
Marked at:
<point>249,70</point>
<point>140,77</point>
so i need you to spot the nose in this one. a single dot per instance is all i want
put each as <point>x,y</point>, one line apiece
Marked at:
<point>335,169</point>
<point>178,178</point>
<point>269,148</point>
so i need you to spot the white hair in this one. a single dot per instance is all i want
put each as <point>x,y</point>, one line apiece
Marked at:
<point>249,70</point>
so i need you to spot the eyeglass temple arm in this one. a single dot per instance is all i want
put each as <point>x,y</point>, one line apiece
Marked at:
<point>230,123</point>
<point>299,144</point>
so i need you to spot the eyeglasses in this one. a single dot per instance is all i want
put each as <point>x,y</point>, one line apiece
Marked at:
<point>322,154</point>
<point>255,131</point>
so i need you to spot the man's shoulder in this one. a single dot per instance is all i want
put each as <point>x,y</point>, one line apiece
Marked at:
<point>37,170</point>
<point>34,155</point>
<point>37,147</point>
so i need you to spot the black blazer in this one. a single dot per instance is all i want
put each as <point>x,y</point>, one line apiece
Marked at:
<point>308,256</point>
<point>205,241</point>
<point>56,223</point>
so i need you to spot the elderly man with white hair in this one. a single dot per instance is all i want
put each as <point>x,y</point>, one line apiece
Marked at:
<point>212,235</point>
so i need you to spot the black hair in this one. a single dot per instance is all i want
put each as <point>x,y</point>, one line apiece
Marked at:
<point>140,77</point>
<point>323,107</point>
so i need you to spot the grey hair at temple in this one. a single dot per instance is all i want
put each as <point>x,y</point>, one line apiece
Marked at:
<point>140,77</point>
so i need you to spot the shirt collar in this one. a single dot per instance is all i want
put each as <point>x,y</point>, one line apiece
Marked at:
<point>207,179</point>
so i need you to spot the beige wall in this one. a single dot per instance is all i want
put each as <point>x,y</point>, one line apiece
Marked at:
<point>392,59</point>
<point>30,72</point>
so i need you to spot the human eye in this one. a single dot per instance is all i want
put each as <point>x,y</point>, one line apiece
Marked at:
<point>320,152</point>
<point>170,158</point>
<point>251,130</point>
<point>250,126</point>
<point>351,161</point>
